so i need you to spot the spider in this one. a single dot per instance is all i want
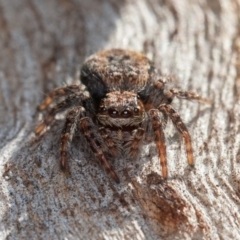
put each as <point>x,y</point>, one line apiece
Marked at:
<point>121,99</point>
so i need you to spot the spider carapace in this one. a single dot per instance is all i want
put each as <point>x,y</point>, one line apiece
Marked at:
<point>121,98</point>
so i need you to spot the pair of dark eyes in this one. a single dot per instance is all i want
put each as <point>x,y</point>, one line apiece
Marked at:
<point>114,112</point>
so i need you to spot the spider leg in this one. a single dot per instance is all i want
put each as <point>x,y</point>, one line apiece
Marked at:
<point>70,101</point>
<point>87,128</point>
<point>180,126</point>
<point>160,140</point>
<point>132,147</point>
<point>67,134</point>
<point>188,95</point>
<point>156,90</point>
<point>56,93</point>
<point>110,142</point>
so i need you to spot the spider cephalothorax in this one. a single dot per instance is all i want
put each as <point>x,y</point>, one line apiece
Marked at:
<point>123,95</point>
<point>121,109</point>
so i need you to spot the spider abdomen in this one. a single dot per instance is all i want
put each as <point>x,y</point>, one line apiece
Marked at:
<point>116,70</point>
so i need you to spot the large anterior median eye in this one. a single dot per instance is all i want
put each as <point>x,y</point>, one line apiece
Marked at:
<point>113,113</point>
<point>125,113</point>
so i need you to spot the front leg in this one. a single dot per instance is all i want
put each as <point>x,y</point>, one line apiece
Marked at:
<point>69,102</point>
<point>67,134</point>
<point>188,95</point>
<point>132,146</point>
<point>57,93</point>
<point>110,140</point>
<point>96,144</point>
<point>182,129</point>
<point>160,140</point>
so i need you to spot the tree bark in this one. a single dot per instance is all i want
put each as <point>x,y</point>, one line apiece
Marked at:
<point>43,44</point>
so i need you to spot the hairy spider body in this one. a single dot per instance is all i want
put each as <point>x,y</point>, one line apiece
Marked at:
<point>124,95</point>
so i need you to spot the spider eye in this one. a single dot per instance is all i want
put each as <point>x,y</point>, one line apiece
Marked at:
<point>103,109</point>
<point>136,110</point>
<point>113,113</point>
<point>126,113</point>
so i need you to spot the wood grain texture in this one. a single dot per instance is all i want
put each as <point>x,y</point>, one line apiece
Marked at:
<point>43,43</point>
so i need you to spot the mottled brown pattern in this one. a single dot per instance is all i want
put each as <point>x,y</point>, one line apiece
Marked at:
<point>180,126</point>
<point>58,92</point>
<point>67,134</point>
<point>119,70</point>
<point>123,95</point>
<point>43,44</point>
<point>87,128</point>
<point>160,140</point>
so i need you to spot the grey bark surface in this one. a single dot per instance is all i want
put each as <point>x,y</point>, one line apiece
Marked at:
<point>43,44</point>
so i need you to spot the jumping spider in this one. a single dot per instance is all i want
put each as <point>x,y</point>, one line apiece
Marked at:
<point>123,96</point>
